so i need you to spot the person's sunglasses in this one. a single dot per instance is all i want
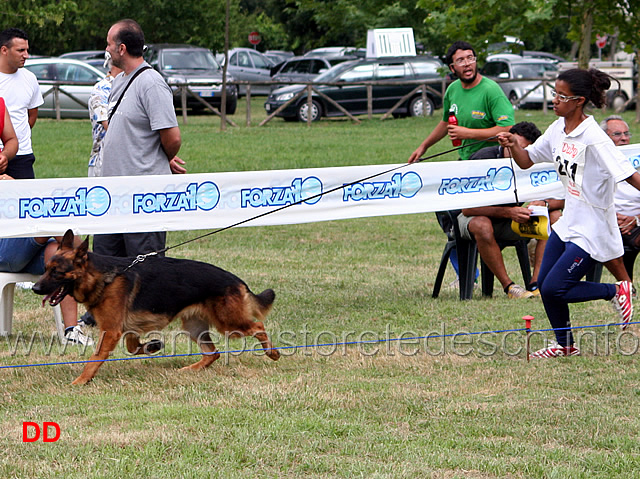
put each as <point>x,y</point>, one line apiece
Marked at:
<point>563,98</point>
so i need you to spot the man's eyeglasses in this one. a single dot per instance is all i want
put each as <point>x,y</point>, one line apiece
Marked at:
<point>461,62</point>
<point>563,98</point>
<point>618,134</point>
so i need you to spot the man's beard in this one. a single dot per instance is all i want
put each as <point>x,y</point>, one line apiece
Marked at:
<point>470,80</point>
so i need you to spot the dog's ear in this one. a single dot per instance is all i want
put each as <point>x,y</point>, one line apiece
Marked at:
<point>67,240</point>
<point>81,251</point>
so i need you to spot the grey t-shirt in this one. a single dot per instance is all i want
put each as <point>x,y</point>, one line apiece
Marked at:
<point>132,144</point>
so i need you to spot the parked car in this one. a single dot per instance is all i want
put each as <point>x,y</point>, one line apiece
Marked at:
<point>335,51</point>
<point>92,57</point>
<point>543,56</point>
<point>77,79</point>
<point>246,64</point>
<point>198,68</point>
<point>306,68</point>
<point>352,94</point>
<point>508,66</point>
<point>277,56</point>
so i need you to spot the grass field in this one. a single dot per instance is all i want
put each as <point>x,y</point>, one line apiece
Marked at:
<point>455,407</point>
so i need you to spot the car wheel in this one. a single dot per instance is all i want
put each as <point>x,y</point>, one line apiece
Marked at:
<point>513,98</point>
<point>316,111</point>
<point>415,107</point>
<point>232,105</point>
<point>617,101</point>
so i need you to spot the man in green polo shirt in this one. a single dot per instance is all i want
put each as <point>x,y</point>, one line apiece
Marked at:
<point>480,105</point>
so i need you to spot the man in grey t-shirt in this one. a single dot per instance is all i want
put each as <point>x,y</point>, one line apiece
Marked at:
<point>143,137</point>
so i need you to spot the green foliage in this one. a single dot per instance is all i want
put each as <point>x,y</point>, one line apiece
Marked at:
<point>56,26</point>
<point>34,13</point>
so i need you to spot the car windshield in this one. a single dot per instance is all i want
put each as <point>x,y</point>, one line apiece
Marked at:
<point>189,60</point>
<point>333,73</point>
<point>533,70</point>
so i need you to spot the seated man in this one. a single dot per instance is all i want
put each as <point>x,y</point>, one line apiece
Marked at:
<point>29,255</point>
<point>489,224</point>
<point>626,199</point>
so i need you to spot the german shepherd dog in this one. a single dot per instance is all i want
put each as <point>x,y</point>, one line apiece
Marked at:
<point>148,296</point>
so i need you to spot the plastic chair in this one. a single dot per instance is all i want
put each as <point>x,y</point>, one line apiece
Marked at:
<point>467,255</point>
<point>468,258</point>
<point>7,287</point>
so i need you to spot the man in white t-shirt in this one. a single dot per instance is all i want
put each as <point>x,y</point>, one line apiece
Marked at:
<point>21,92</point>
<point>626,200</point>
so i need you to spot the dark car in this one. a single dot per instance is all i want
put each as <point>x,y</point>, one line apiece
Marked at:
<point>351,94</point>
<point>306,68</point>
<point>198,68</point>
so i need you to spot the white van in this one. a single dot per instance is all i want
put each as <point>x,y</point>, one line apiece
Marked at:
<point>623,71</point>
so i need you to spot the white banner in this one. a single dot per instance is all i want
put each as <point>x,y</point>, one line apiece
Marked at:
<point>216,200</point>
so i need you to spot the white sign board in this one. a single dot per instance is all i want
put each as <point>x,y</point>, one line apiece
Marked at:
<point>390,42</point>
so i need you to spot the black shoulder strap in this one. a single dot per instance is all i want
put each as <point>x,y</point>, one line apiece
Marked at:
<point>125,90</point>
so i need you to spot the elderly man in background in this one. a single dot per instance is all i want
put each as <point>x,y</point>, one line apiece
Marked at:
<point>626,199</point>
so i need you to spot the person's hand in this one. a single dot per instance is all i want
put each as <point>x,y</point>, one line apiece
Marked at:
<point>176,166</point>
<point>520,214</point>
<point>415,156</point>
<point>626,223</point>
<point>456,132</point>
<point>506,139</point>
<point>4,162</point>
<point>6,177</point>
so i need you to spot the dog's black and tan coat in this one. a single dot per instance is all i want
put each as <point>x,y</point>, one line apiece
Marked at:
<point>151,294</point>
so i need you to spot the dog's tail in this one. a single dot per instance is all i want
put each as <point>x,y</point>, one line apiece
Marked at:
<point>266,298</point>
<point>263,302</point>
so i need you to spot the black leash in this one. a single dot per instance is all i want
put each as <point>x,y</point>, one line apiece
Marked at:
<point>142,257</point>
<point>513,170</point>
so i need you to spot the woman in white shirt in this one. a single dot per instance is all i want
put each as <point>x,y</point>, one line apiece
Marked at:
<point>589,166</point>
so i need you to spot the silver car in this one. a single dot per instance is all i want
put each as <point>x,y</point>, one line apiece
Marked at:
<point>507,69</point>
<point>76,78</point>
<point>246,64</point>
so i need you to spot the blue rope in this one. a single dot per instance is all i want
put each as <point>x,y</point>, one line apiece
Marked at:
<point>346,343</point>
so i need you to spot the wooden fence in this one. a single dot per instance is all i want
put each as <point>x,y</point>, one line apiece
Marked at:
<point>183,90</point>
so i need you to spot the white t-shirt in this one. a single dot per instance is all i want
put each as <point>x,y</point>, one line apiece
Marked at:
<point>627,199</point>
<point>589,165</point>
<point>21,92</point>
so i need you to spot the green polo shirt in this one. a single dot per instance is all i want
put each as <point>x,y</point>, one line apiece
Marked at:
<point>483,106</point>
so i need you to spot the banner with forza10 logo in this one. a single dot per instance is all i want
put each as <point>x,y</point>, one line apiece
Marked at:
<point>216,200</point>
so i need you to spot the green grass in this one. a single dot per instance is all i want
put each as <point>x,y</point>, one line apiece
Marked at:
<point>446,408</point>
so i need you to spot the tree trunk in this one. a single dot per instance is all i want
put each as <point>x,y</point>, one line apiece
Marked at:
<point>584,54</point>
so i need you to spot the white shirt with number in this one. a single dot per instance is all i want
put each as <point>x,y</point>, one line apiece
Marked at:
<point>589,166</point>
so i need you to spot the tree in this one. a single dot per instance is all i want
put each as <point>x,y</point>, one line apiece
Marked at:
<point>37,17</point>
<point>628,30</point>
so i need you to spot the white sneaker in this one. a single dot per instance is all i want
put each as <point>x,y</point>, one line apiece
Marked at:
<point>77,336</point>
